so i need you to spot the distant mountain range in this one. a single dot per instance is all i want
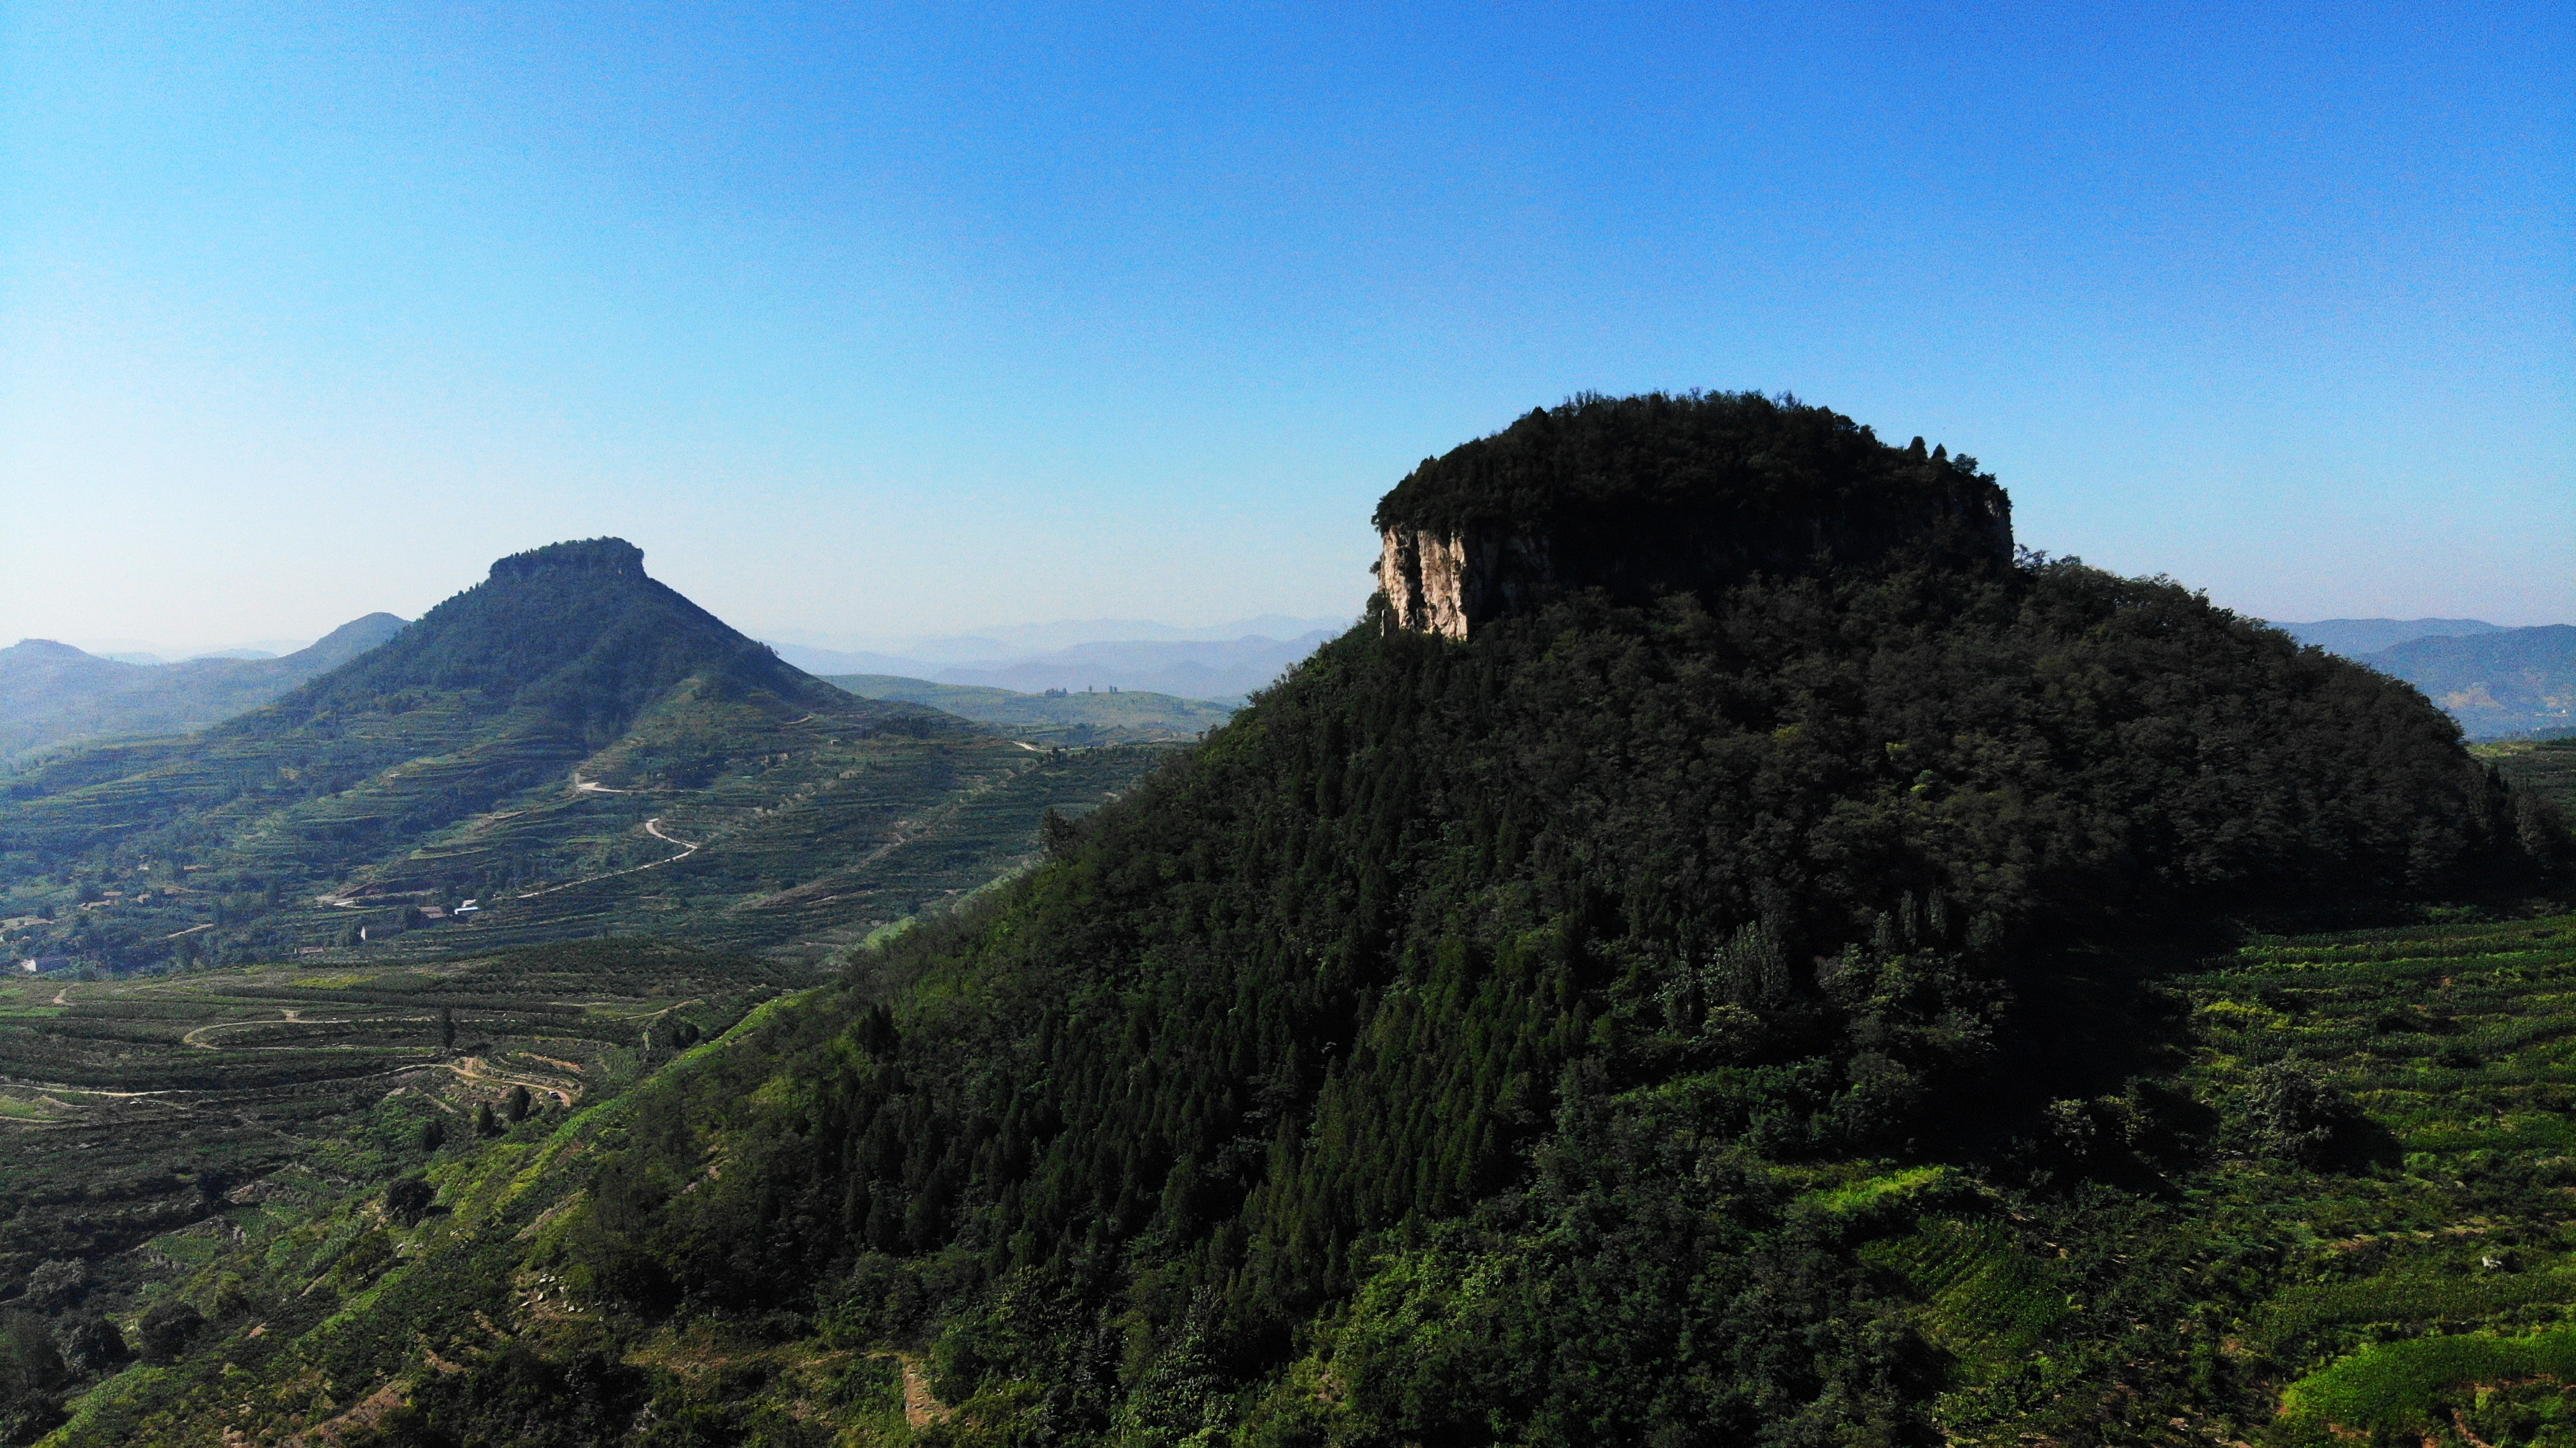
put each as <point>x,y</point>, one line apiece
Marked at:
<point>2500,683</point>
<point>2353,637</point>
<point>52,694</point>
<point>2511,682</point>
<point>1207,669</point>
<point>1077,718</point>
<point>570,744</point>
<point>1008,642</point>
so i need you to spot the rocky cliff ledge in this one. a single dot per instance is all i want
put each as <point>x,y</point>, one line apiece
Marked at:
<point>1641,496</point>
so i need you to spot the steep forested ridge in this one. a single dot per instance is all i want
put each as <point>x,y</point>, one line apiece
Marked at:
<point>1533,936</point>
<point>1559,1035</point>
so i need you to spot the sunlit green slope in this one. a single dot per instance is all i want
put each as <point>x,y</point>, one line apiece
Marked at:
<point>572,747</point>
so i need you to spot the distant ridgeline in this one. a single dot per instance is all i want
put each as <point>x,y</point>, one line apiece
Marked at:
<point>2498,684</point>
<point>1671,975</point>
<point>53,695</point>
<point>572,747</point>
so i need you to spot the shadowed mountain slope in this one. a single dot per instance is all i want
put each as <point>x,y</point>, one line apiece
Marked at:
<point>52,695</point>
<point>572,745</point>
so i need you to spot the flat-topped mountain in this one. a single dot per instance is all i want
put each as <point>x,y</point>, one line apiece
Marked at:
<point>52,694</point>
<point>571,745</point>
<point>574,635</point>
<point>1640,496</point>
<point>1751,982</point>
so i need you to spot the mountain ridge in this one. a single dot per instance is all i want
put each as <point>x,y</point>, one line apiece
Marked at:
<point>2354,637</point>
<point>53,695</point>
<point>1226,670</point>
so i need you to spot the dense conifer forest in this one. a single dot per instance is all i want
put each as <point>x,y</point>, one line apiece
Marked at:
<point>1632,1022</point>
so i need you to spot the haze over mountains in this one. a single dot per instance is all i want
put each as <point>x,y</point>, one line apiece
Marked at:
<point>52,694</point>
<point>2354,637</point>
<point>1228,669</point>
<point>2500,683</point>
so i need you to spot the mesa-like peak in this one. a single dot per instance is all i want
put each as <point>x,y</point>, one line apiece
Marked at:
<point>1661,493</point>
<point>613,556</point>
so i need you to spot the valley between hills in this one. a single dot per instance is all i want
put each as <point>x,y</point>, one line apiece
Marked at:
<point>1730,949</point>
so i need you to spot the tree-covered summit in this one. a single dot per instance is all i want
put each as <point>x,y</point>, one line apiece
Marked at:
<point>594,555</point>
<point>1739,456</point>
<point>576,631</point>
<point>1662,493</point>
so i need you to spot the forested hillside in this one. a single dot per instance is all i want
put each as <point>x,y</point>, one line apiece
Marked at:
<point>1758,1013</point>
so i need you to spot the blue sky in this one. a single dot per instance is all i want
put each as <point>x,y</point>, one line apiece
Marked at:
<point>875,320</point>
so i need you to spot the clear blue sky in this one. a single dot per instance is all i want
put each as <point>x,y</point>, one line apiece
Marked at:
<point>866,320</point>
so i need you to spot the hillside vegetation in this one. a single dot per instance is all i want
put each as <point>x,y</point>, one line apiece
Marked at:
<point>573,747</point>
<point>1813,1010</point>
<point>2547,768</point>
<point>145,1125</point>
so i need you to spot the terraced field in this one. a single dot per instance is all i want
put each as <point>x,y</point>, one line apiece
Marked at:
<point>2547,768</point>
<point>2343,1209</point>
<point>1072,720</point>
<point>713,822</point>
<point>2350,1218</point>
<point>145,1124</point>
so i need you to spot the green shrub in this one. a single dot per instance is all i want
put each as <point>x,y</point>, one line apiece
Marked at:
<point>2409,1386</point>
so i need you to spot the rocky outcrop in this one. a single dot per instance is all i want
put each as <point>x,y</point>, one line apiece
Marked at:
<point>1639,497</point>
<point>1443,585</point>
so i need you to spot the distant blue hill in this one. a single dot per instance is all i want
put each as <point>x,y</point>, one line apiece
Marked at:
<point>2353,637</point>
<point>2498,684</point>
<point>53,695</point>
<point>1224,670</point>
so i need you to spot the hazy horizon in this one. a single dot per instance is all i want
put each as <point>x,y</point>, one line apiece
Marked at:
<point>991,643</point>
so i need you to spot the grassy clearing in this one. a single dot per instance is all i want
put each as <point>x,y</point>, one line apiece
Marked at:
<point>2415,1386</point>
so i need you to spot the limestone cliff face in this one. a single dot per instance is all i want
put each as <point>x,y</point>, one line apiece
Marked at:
<point>1444,585</point>
<point>1639,497</point>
